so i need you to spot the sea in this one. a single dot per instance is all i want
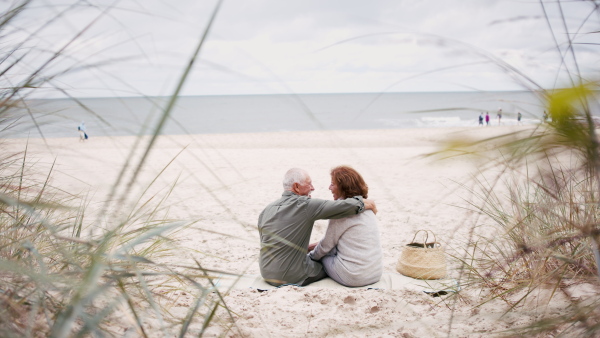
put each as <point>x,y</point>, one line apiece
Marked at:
<point>114,116</point>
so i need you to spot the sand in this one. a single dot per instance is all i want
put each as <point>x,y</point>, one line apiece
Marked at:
<point>222,182</point>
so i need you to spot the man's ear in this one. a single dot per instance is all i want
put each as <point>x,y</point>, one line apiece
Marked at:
<point>295,187</point>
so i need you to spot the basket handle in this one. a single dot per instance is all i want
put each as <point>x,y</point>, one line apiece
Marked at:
<point>426,236</point>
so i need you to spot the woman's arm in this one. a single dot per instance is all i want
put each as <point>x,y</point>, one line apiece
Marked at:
<point>325,245</point>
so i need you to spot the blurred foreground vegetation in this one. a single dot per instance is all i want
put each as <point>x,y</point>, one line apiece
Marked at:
<point>62,272</point>
<point>539,193</point>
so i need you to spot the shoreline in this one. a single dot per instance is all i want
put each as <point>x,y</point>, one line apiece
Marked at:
<point>373,135</point>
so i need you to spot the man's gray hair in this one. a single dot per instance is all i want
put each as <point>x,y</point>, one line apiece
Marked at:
<point>294,175</point>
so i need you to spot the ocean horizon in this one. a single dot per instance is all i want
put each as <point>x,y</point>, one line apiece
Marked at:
<point>271,113</point>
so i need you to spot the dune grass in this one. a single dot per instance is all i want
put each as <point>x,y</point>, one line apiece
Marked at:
<point>538,213</point>
<point>536,201</point>
<point>59,279</point>
<point>64,273</point>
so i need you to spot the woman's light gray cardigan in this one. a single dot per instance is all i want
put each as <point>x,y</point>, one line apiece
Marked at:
<point>351,250</point>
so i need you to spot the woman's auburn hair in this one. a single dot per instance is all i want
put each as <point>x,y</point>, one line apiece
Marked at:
<point>349,182</point>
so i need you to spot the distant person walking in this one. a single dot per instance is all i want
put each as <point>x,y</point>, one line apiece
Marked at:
<point>499,116</point>
<point>545,116</point>
<point>519,118</point>
<point>487,118</point>
<point>481,119</point>
<point>82,134</point>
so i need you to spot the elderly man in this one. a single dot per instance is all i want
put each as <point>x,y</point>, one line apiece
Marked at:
<point>285,227</point>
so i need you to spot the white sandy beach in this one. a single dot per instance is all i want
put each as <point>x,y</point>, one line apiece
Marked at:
<point>224,181</point>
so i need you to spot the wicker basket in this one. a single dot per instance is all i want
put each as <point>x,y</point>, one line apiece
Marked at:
<point>424,260</point>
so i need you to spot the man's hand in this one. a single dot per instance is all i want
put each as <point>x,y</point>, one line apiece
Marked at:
<point>370,205</point>
<point>312,246</point>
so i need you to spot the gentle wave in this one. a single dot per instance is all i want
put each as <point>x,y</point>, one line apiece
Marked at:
<point>448,121</point>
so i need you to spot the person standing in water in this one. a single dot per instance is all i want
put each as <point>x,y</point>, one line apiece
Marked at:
<point>82,134</point>
<point>499,116</point>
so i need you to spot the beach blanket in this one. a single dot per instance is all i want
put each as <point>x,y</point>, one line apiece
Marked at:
<point>389,280</point>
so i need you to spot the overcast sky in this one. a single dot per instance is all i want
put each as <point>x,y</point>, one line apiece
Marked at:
<point>305,46</point>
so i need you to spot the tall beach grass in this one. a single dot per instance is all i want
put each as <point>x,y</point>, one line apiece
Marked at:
<point>536,234</point>
<point>66,270</point>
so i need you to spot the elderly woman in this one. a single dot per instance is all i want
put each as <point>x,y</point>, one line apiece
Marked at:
<point>351,250</point>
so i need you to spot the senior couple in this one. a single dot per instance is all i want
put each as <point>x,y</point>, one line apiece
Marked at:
<point>350,253</point>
